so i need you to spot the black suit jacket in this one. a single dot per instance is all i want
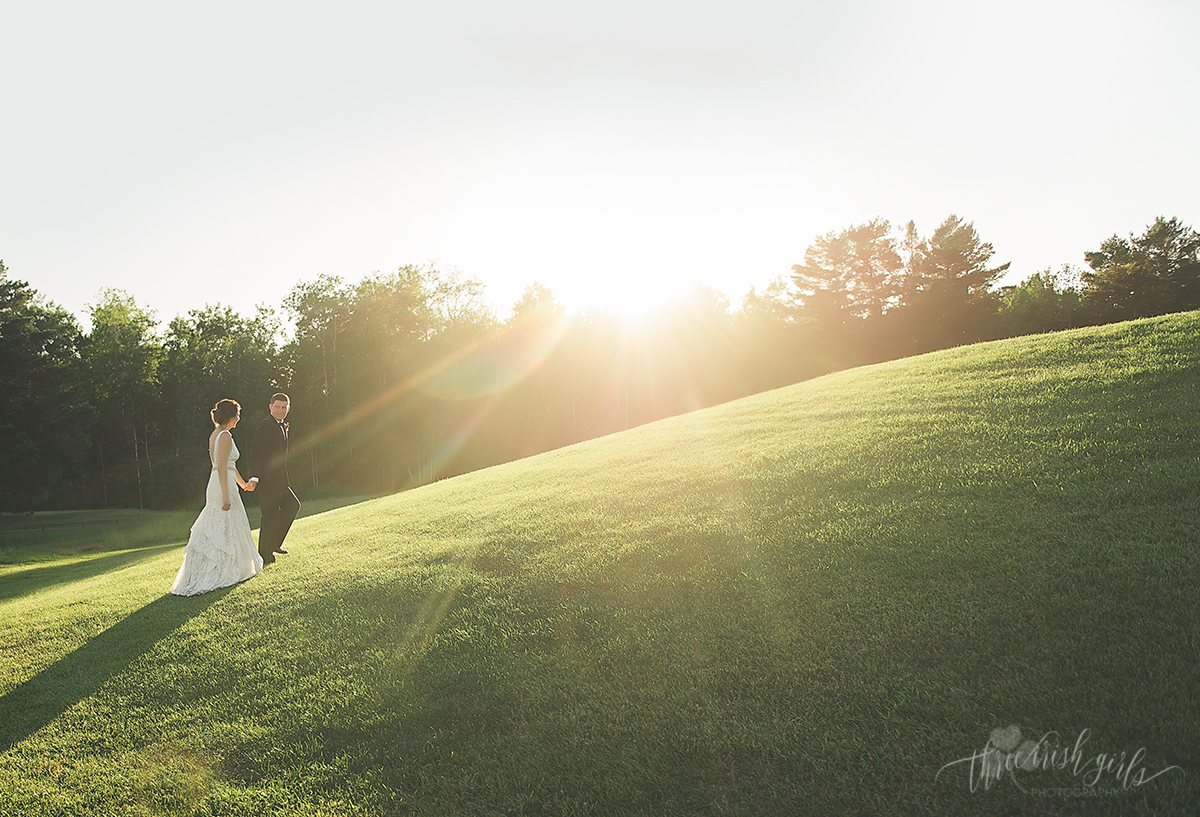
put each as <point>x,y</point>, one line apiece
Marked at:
<point>268,456</point>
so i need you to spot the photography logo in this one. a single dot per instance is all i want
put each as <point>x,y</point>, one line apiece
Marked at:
<point>1092,773</point>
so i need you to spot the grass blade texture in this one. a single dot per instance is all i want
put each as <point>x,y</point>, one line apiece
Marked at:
<point>811,601</point>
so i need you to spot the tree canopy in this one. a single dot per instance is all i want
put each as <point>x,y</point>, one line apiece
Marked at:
<point>407,376</point>
<point>1141,276</point>
<point>849,273</point>
<point>42,410</point>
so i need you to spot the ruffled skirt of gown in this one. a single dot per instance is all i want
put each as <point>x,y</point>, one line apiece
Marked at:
<point>221,549</point>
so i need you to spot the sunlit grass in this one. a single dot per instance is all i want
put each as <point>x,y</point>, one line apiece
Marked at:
<point>53,536</point>
<point>808,601</point>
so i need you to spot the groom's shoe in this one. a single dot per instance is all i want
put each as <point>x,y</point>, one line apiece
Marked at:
<point>279,550</point>
<point>267,559</point>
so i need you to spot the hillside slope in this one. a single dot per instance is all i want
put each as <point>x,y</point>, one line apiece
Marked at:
<point>813,600</point>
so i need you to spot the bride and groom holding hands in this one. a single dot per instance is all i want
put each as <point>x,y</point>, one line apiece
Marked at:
<point>221,550</point>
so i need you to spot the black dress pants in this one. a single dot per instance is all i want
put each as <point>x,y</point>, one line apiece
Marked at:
<point>279,509</point>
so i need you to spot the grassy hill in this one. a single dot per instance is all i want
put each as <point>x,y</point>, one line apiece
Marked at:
<point>810,601</point>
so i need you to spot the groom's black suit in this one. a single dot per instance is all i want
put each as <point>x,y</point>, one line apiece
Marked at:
<point>268,462</point>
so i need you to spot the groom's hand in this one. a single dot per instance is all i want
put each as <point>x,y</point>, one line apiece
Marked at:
<point>250,486</point>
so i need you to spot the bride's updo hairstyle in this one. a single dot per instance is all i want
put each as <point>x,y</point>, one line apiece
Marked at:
<point>224,411</point>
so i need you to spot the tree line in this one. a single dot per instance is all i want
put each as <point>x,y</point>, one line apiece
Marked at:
<point>407,377</point>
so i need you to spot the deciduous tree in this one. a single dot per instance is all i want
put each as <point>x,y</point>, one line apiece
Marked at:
<point>1152,274</point>
<point>1043,302</point>
<point>41,411</point>
<point>121,355</point>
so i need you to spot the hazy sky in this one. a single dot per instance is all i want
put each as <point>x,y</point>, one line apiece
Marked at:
<point>223,152</point>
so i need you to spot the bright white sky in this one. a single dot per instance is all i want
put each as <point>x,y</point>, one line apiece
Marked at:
<point>222,152</point>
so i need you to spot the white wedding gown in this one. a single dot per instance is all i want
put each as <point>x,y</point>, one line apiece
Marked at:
<point>221,549</point>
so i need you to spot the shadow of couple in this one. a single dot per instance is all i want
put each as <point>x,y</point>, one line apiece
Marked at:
<point>35,703</point>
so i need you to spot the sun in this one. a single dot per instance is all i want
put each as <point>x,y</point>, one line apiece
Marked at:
<point>608,235</point>
<point>632,297</point>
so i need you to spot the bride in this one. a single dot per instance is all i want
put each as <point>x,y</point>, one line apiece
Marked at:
<point>221,550</point>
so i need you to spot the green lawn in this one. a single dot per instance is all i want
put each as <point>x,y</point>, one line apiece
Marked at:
<point>811,601</point>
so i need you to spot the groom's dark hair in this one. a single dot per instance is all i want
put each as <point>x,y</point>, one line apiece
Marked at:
<point>280,396</point>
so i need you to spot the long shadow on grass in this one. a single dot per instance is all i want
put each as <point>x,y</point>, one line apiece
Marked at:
<point>24,582</point>
<point>74,677</point>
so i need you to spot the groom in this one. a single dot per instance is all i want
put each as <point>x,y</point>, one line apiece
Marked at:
<point>269,479</point>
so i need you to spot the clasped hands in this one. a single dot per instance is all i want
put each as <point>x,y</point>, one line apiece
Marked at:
<point>245,486</point>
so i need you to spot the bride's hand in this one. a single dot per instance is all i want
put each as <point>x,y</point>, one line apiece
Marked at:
<point>226,506</point>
